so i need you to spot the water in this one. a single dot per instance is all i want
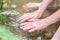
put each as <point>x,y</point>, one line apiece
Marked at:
<point>13,26</point>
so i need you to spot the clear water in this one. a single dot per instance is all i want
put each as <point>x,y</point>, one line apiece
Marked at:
<point>45,34</point>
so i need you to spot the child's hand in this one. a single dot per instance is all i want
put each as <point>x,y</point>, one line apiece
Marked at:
<point>29,16</point>
<point>35,25</point>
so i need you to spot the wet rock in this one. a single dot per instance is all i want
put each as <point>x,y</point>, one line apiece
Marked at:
<point>13,6</point>
<point>25,38</point>
<point>12,12</point>
<point>11,17</point>
<point>39,38</point>
<point>48,35</point>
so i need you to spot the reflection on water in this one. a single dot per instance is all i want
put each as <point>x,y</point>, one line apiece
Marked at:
<point>13,26</point>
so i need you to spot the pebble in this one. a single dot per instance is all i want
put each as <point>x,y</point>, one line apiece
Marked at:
<point>49,34</point>
<point>39,38</point>
<point>12,12</point>
<point>6,6</point>
<point>25,38</point>
<point>13,6</point>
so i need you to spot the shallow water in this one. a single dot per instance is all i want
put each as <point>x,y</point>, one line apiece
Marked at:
<point>45,34</point>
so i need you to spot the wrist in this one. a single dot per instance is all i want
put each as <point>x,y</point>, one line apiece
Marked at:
<point>47,21</point>
<point>55,17</point>
<point>50,21</point>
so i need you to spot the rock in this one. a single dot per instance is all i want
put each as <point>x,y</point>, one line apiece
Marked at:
<point>38,38</point>
<point>13,6</point>
<point>6,6</point>
<point>13,12</point>
<point>25,38</point>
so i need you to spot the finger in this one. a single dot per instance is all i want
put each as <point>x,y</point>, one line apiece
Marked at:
<point>28,27</point>
<point>32,30</point>
<point>22,24</point>
<point>23,20</point>
<point>20,18</point>
<point>33,20</point>
<point>23,17</point>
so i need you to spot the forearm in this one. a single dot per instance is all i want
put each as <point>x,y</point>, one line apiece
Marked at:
<point>57,35</point>
<point>53,18</point>
<point>43,6</point>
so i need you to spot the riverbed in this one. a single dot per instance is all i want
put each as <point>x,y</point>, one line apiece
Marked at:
<point>45,34</point>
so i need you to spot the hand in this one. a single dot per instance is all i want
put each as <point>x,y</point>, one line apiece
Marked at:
<point>35,25</point>
<point>29,16</point>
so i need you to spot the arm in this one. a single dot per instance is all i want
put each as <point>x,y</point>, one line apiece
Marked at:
<point>41,24</point>
<point>57,35</point>
<point>38,13</point>
<point>53,18</point>
<point>43,6</point>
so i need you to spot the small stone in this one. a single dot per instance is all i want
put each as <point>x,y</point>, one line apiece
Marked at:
<point>38,38</point>
<point>13,12</point>
<point>5,6</point>
<point>13,6</point>
<point>48,35</point>
<point>25,38</point>
<point>30,39</point>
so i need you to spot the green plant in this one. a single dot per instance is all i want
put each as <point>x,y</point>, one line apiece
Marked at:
<point>2,18</point>
<point>9,2</point>
<point>7,35</point>
<point>1,4</point>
